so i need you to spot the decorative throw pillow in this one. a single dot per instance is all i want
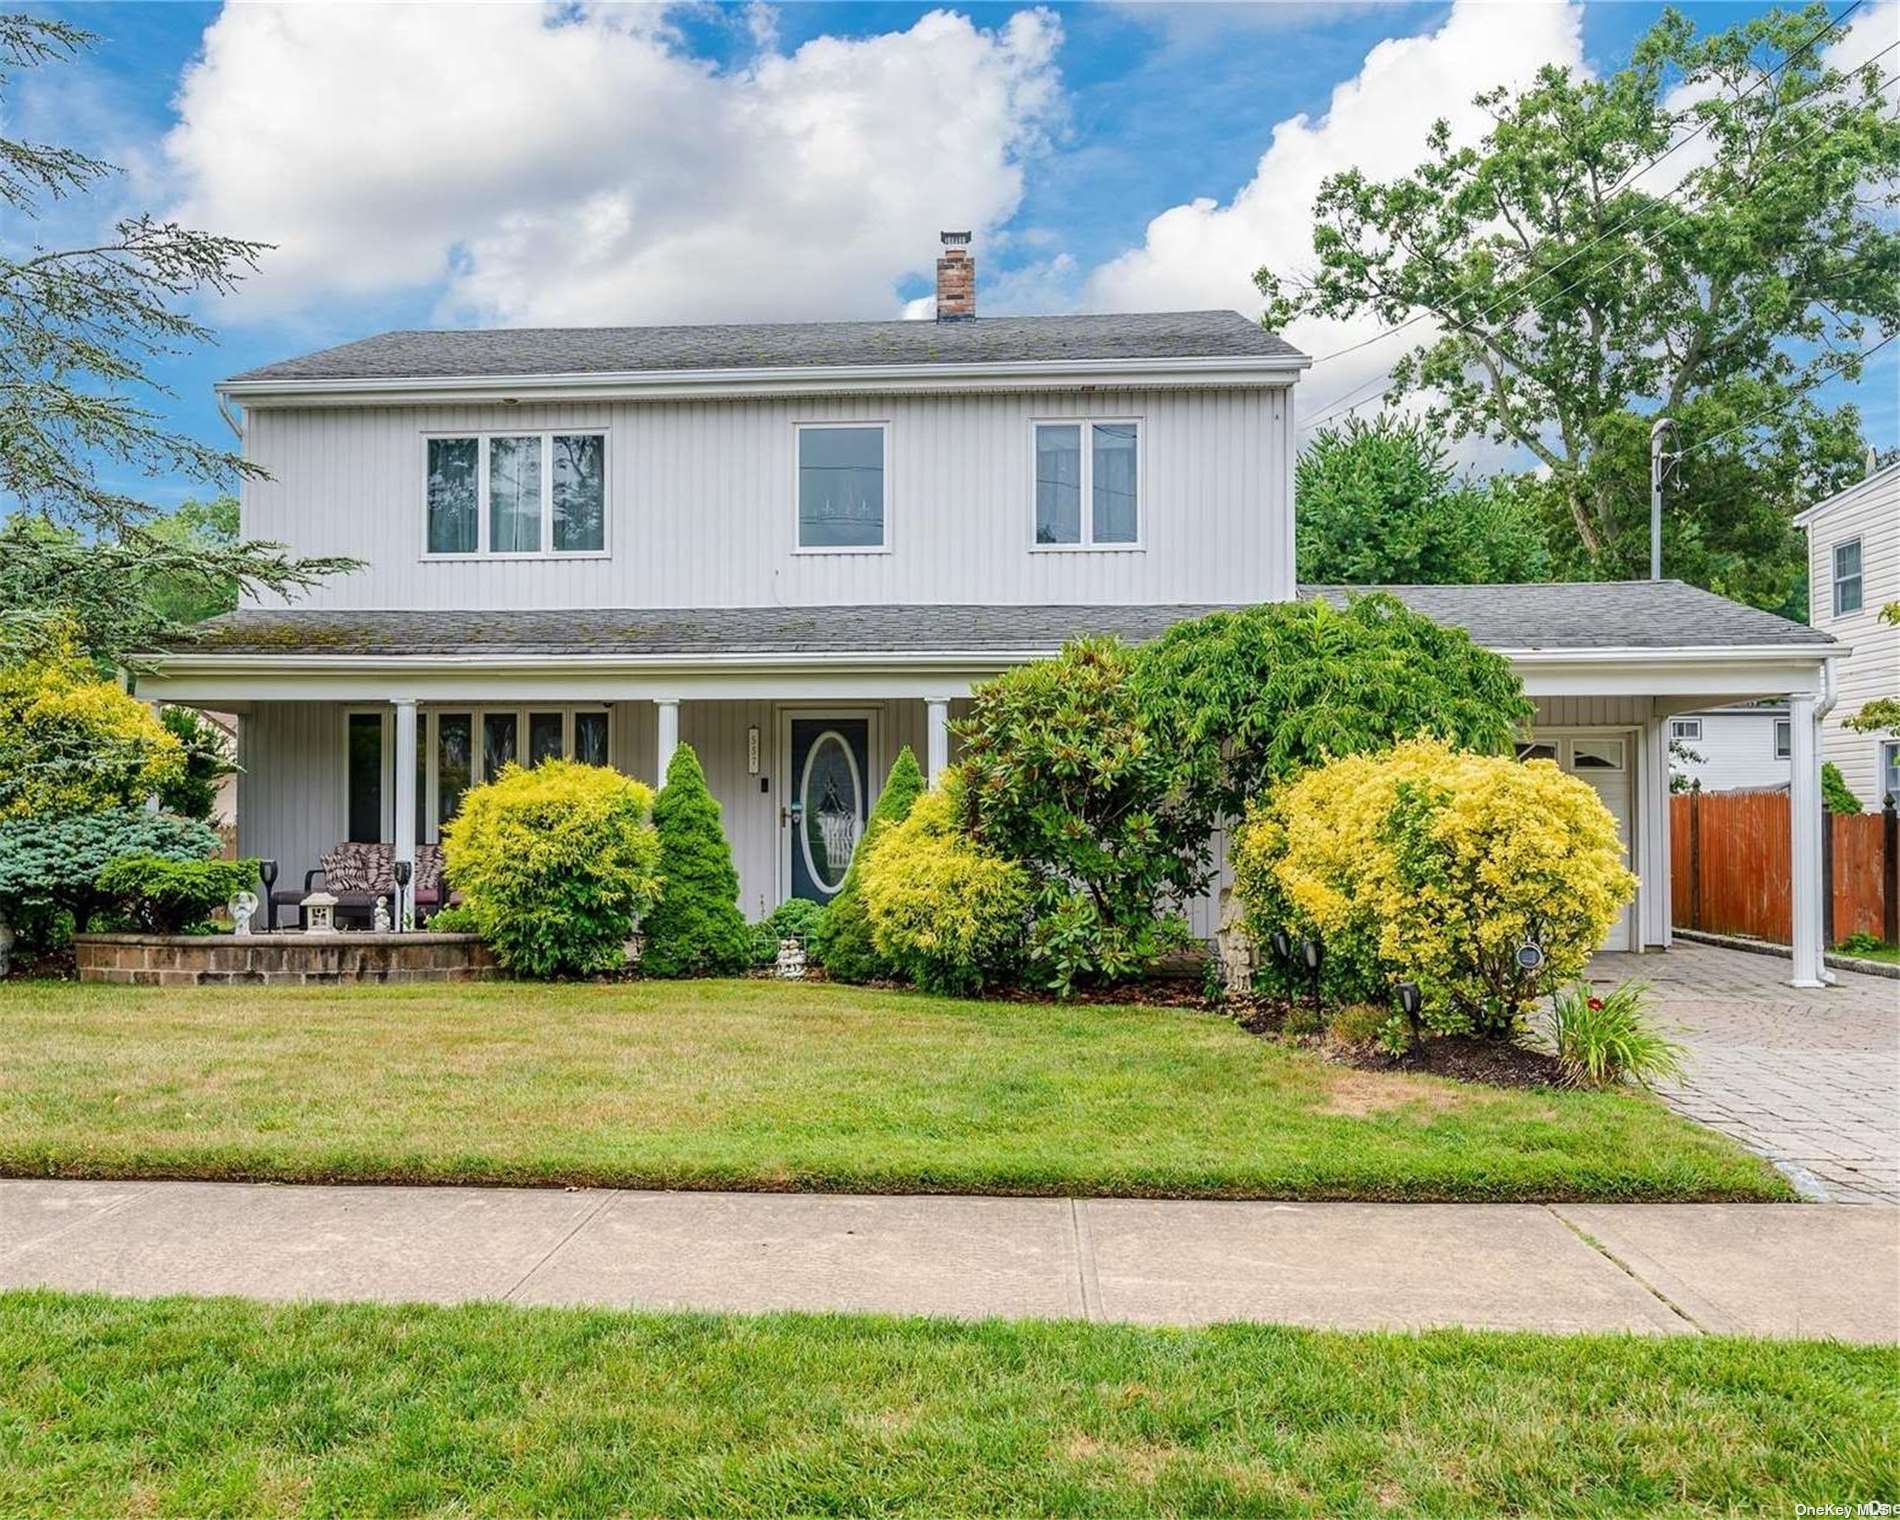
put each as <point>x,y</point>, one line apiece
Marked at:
<point>360,868</point>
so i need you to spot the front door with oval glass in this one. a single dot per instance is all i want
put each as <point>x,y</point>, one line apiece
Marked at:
<point>827,802</point>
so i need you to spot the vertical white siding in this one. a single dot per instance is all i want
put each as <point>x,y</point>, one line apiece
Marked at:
<point>290,785</point>
<point>1736,750</point>
<point>701,503</point>
<point>1870,512</point>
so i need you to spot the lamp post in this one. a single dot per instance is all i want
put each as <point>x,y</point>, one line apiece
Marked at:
<point>403,870</point>
<point>1656,471</point>
<point>267,874</point>
<point>1312,954</point>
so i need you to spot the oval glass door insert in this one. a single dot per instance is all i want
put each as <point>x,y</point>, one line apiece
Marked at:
<point>832,797</point>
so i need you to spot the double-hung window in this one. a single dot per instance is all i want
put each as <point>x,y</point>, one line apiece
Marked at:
<point>516,494</point>
<point>1847,582</point>
<point>843,492</point>
<point>1088,484</point>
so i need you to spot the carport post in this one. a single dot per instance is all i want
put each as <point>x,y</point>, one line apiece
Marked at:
<point>1804,824</point>
<point>405,807</point>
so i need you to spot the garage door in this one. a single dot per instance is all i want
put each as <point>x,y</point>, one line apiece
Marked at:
<point>1605,764</point>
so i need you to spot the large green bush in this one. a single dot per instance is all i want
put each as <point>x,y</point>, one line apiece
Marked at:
<point>163,896</point>
<point>1247,699</point>
<point>946,911</point>
<point>50,866</point>
<point>1836,795</point>
<point>1066,776</point>
<point>1435,866</point>
<point>557,865</point>
<point>72,743</point>
<point>696,928</point>
<point>842,940</point>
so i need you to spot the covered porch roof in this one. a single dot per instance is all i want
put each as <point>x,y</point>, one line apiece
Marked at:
<point>1660,638</point>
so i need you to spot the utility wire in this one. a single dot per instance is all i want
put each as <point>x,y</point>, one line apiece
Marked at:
<point>1827,373</point>
<point>1622,184</point>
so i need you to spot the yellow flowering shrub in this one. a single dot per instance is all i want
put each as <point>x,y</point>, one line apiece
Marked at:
<point>943,909</point>
<point>73,744</point>
<point>1435,865</point>
<point>556,865</point>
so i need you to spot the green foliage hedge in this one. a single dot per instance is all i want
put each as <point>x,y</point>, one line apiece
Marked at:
<point>1836,795</point>
<point>841,939</point>
<point>53,865</point>
<point>796,918</point>
<point>557,865</point>
<point>164,896</point>
<point>696,928</point>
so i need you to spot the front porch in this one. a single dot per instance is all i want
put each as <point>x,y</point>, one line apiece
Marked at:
<point>370,725</point>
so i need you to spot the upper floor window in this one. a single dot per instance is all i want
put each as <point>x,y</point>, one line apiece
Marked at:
<point>842,504</point>
<point>516,493</point>
<point>1847,587</point>
<point>1784,738</point>
<point>1685,728</point>
<point>1088,485</point>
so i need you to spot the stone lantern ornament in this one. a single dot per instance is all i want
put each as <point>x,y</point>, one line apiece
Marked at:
<point>319,913</point>
<point>791,958</point>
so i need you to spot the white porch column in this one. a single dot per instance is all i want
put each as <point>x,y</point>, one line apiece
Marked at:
<point>1804,823</point>
<point>157,710</point>
<point>668,709</point>
<point>405,805</point>
<point>1652,863</point>
<point>937,750</point>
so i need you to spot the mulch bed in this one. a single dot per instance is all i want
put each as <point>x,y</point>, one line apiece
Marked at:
<point>1491,1062</point>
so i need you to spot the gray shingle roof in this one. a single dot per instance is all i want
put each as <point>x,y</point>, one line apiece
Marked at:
<point>516,351</point>
<point>1638,614</point>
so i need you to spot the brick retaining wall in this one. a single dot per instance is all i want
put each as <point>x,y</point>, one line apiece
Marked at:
<point>203,960</point>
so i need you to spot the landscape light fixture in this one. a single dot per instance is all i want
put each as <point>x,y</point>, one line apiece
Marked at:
<point>267,874</point>
<point>1530,955</point>
<point>1312,954</point>
<point>1410,1001</point>
<point>1282,946</point>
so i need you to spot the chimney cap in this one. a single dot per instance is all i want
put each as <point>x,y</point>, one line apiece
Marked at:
<point>955,239</point>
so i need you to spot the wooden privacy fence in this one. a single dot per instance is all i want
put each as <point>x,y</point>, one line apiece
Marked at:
<point>1730,854</point>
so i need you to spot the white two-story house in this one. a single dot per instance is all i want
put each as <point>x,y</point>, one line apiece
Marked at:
<point>799,546</point>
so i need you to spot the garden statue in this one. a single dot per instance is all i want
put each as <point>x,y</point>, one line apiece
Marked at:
<point>791,958</point>
<point>319,913</point>
<point>243,907</point>
<point>380,921</point>
<point>1239,955</point>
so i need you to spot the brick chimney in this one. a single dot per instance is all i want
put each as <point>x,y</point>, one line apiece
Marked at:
<point>956,279</point>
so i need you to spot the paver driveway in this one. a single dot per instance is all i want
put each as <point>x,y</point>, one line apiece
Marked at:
<point>1810,1079</point>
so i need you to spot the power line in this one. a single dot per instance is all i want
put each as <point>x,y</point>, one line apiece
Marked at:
<point>1679,214</point>
<point>1622,184</point>
<point>1827,374</point>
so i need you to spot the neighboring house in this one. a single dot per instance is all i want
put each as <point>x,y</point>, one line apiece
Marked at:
<point>1854,571</point>
<point>1733,749</point>
<point>799,546</point>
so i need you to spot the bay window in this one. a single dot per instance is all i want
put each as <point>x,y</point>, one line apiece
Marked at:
<point>515,494</point>
<point>1087,484</point>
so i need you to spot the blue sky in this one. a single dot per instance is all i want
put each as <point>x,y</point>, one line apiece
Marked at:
<point>422,167</point>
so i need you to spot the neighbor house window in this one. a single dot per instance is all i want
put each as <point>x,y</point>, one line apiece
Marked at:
<point>1784,738</point>
<point>1087,485</point>
<point>516,493</point>
<point>1890,772</point>
<point>1685,728</point>
<point>841,487</point>
<point>1847,586</point>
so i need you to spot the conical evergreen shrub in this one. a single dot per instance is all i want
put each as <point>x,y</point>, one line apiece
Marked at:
<point>696,929</point>
<point>842,943</point>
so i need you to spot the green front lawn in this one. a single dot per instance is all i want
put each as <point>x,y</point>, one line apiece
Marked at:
<point>760,1084</point>
<point>209,1407</point>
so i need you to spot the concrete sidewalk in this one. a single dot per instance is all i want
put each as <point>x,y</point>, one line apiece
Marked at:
<point>1799,1269</point>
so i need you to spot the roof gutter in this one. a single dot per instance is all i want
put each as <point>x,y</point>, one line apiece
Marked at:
<point>780,379</point>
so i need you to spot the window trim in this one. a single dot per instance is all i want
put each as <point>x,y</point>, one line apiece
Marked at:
<point>1686,730</point>
<point>1784,751</point>
<point>431,711</point>
<point>1885,748</point>
<point>1087,545</point>
<point>1859,577</point>
<point>883,425</point>
<point>546,435</point>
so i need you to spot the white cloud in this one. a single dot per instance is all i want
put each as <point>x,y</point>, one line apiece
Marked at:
<point>561,167</point>
<point>1203,254</point>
